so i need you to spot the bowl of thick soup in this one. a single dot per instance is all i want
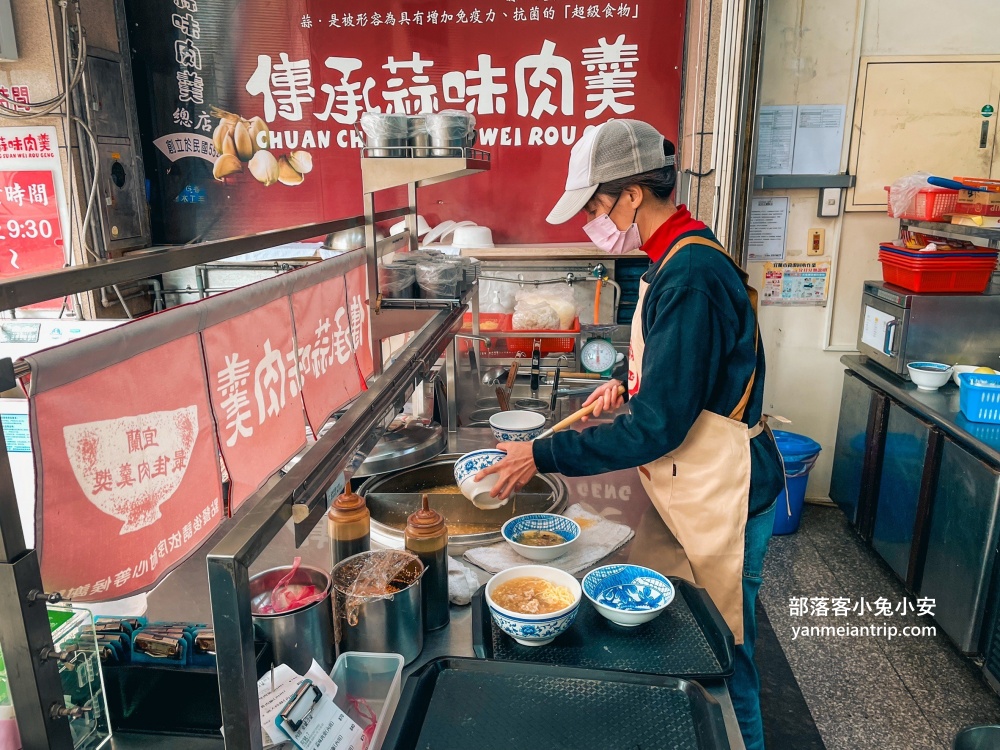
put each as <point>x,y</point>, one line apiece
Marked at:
<point>533,603</point>
<point>541,536</point>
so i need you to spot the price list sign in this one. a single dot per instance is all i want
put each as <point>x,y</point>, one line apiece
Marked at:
<point>30,231</point>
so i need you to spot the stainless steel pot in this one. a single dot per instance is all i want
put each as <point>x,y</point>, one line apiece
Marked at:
<point>391,498</point>
<point>350,239</point>
<point>301,635</point>
<point>379,623</point>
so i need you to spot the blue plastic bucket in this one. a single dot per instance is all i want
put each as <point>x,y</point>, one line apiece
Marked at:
<point>799,454</point>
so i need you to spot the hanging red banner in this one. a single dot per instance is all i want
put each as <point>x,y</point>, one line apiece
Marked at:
<point>255,384</point>
<point>361,332</point>
<point>128,486</point>
<point>329,370</point>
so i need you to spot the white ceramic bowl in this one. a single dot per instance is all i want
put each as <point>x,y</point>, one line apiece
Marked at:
<point>929,376</point>
<point>959,369</point>
<point>628,595</point>
<point>472,237</point>
<point>534,630</point>
<point>567,528</point>
<point>466,469</point>
<point>517,426</point>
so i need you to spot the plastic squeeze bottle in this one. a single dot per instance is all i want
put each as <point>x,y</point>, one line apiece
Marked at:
<point>349,525</point>
<point>427,537</point>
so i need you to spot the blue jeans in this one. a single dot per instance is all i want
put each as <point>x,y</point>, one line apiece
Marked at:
<point>744,685</point>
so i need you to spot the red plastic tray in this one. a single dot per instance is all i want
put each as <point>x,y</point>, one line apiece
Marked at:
<point>932,204</point>
<point>953,276</point>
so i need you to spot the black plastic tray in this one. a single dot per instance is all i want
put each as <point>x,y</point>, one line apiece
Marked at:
<point>470,704</point>
<point>689,639</point>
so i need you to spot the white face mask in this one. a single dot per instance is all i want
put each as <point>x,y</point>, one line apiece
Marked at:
<point>608,237</point>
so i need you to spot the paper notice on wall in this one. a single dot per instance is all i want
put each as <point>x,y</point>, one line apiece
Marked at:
<point>873,331</point>
<point>819,137</point>
<point>768,219</point>
<point>795,283</point>
<point>776,139</point>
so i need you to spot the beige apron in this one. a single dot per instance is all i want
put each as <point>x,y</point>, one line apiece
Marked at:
<point>701,490</point>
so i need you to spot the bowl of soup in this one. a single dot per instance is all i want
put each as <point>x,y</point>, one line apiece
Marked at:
<point>541,536</point>
<point>533,604</point>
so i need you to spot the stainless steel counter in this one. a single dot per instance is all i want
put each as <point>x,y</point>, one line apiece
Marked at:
<point>939,407</point>
<point>618,496</point>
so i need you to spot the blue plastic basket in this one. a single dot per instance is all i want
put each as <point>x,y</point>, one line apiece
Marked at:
<point>979,397</point>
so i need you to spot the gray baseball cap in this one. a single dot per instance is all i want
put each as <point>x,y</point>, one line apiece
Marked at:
<point>611,151</point>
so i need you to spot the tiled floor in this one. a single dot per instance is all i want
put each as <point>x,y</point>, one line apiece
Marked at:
<point>867,692</point>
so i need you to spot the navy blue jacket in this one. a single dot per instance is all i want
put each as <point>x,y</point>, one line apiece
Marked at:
<point>699,327</point>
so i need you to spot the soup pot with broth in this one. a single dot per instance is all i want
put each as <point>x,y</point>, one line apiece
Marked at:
<point>391,498</point>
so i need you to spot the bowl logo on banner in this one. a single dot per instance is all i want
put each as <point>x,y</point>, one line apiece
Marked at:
<point>129,467</point>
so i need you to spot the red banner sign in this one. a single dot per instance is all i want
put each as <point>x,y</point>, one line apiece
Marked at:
<point>124,499</point>
<point>534,74</point>
<point>328,368</point>
<point>255,383</point>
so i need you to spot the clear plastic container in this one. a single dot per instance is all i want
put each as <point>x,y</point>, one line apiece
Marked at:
<point>374,678</point>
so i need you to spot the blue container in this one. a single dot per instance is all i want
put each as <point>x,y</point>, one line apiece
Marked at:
<point>799,454</point>
<point>979,397</point>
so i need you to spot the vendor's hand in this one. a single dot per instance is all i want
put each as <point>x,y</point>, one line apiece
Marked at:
<point>606,397</point>
<point>515,471</point>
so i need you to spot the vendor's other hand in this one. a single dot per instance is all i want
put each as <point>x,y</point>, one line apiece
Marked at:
<point>515,471</point>
<point>606,397</point>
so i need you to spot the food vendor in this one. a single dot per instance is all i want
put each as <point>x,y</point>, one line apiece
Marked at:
<point>695,428</point>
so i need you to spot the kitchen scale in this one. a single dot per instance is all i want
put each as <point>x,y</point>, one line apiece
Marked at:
<point>598,355</point>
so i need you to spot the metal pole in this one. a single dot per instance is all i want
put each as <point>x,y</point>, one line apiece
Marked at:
<point>35,687</point>
<point>411,217</point>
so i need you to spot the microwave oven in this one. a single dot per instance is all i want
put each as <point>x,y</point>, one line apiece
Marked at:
<point>898,326</point>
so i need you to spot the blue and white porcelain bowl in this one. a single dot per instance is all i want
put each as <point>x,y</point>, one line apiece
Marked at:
<point>534,630</point>
<point>628,595</point>
<point>517,426</point>
<point>567,528</point>
<point>466,469</point>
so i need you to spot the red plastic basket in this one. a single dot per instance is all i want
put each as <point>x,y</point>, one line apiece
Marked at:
<point>953,275</point>
<point>931,204</point>
<point>553,345</point>
<point>490,326</point>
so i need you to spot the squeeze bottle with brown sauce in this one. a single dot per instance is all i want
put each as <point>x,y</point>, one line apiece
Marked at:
<point>349,525</point>
<point>427,537</point>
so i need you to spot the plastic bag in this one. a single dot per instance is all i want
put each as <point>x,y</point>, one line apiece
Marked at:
<point>287,596</point>
<point>553,305</point>
<point>450,124</point>
<point>496,296</point>
<point>371,576</point>
<point>381,126</point>
<point>903,193</point>
<point>396,280</point>
<point>439,279</point>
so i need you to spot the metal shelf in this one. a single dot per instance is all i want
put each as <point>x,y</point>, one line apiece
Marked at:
<point>992,235</point>
<point>153,261</point>
<point>802,181</point>
<point>385,173</point>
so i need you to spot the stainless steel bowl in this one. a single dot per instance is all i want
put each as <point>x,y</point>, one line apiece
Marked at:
<point>392,498</point>
<point>350,239</point>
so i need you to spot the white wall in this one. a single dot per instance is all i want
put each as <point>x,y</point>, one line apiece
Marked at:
<point>811,56</point>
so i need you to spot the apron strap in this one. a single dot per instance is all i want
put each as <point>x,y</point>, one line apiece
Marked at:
<point>740,410</point>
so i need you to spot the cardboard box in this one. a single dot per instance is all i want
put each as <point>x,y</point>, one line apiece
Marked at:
<point>977,204</point>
